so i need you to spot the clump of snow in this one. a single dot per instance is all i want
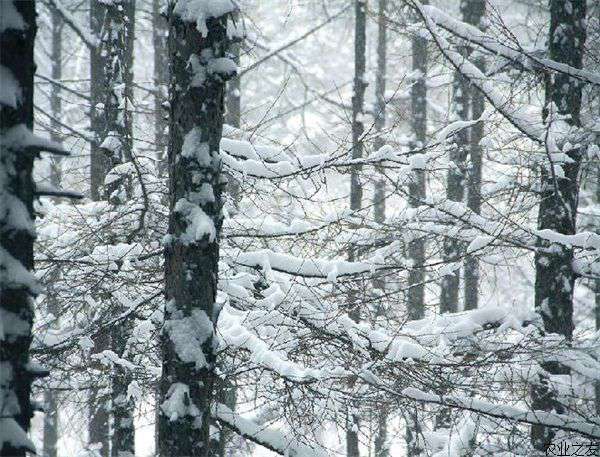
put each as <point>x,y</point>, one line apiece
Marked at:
<point>178,403</point>
<point>10,18</point>
<point>10,91</point>
<point>188,334</point>
<point>199,225</point>
<point>199,11</point>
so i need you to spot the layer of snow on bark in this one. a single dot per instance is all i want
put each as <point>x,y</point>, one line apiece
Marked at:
<point>10,91</point>
<point>188,334</point>
<point>199,223</point>
<point>10,18</point>
<point>178,402</point>
<point>199,11</point>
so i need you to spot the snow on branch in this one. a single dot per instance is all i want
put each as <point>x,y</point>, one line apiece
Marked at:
<point>558,421</point>
<point>521,57</point>
<point>274,440</point>
<point>519,119</point>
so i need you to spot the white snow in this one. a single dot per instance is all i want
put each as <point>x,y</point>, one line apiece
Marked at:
<point>10,91</point>
<point>199,11</point>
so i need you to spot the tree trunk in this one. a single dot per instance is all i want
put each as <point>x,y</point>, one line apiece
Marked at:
<point>473,12</point>
<point>50,438</point>
<point>17,231</point>
<point>455,187</point>
<point>192,247</point>
<point>55,101</point>
<point>417,192</point>
<point>358,99</point>
<point>381,449</point>
<point>161,79</point>
<point>555,278</point>
<point>117,147</point>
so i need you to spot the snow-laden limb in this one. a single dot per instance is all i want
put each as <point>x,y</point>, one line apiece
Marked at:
<point>523,58</point>
<point>90,41</point>
<point>20,138</point>
<point>518,118</point>
<point>233,333</point>
<point>330,270</point>
<point>565,422</point>
<point>13,434</point>
<point>274,440</point>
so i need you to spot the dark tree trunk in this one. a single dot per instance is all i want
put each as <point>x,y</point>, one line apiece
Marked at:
<point>381,449</point>
<point>161,79</point>
<point>117,146</point>
<point>358,100</point>
<point>455,186</point>
<point>555,278</point>
<point>16,238</point>
<point>473,12</point>
<point>416,188</point>
<point>417,193</point>
<point>99,164</point>
<point>192,251</point>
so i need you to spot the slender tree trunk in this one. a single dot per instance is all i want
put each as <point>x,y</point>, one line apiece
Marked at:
<point>455,188</point>
<point>161,79</point>
<point>358,99</point>
<point>381,448</point>
<point>233,116</point>
<point>192,250</point>
<point>50,438</point>
<point>555,278</point>
<point>117,146</point>
<point>17,231</point>
<point>55,101</point>
<point>473,12</point>
<point>417,192</point>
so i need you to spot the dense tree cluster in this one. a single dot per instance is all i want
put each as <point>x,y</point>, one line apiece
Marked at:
<point>342,227</point>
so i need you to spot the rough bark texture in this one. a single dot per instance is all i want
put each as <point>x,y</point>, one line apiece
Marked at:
<point>555,278</point>
<point>16,238</point>
<point>473,12</point>
<point>358,100</point>
<point>191,253</point>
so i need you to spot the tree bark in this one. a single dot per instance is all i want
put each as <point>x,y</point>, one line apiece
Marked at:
<point>381,448</point>
<point>417,193</point>
<point>50,438</point>
<point>555,278</point>
<point>192,248</point>
<point>17,231</point>
<point>356,192</point>
<point>161,79</point>
<point>455,186</point>
<point>117,147</point>
<point>473,12</point>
